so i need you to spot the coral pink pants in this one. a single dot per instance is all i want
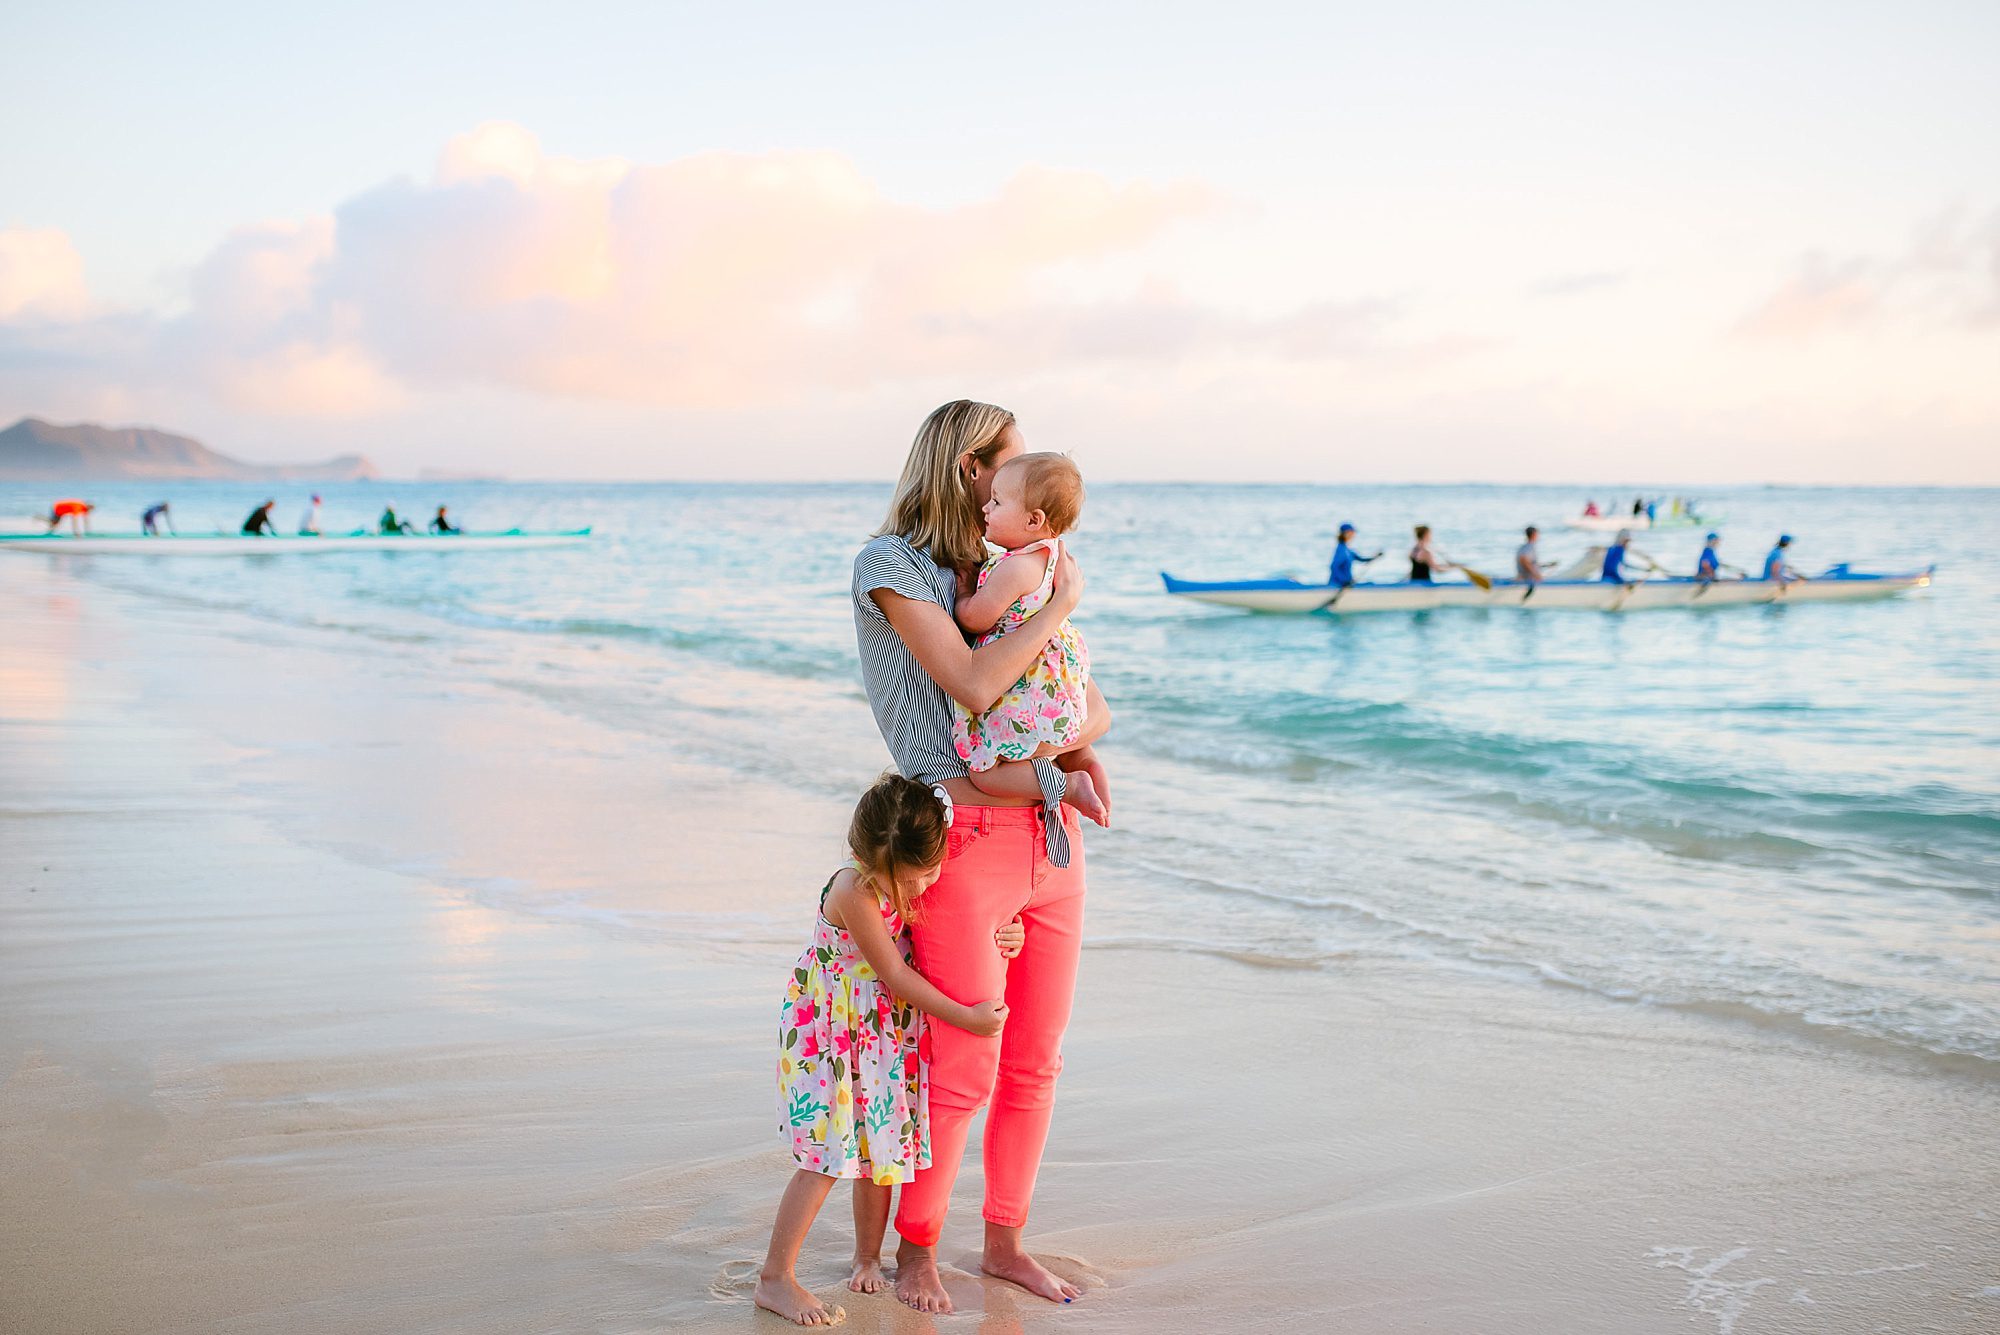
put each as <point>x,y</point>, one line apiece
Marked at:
<point>996,868</point>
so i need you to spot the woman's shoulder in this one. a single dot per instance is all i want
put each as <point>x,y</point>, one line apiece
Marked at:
<point>891,547</point>
<point>890,561</point>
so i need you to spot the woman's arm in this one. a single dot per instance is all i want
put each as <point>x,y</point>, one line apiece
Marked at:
<point>862,918</point>
<point>978,611</point>
<point>977,678</point>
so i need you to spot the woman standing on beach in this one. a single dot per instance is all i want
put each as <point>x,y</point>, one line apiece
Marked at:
<point>1006,857</point>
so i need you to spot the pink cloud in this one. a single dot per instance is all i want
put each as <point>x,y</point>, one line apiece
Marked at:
<point>1948,275</point>
<point>709,282</point>
<point>41,276</point>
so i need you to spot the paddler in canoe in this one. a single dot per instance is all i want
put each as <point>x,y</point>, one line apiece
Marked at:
<point>1341,573</point>
<point>258,523</point>
<point>1708,567</point>
<point>77,512</point>
<point>389,525</point>
<point>1622,551</point>
<point>1424,562</point>
<point>1776,567</point>
<point>1528,565</point>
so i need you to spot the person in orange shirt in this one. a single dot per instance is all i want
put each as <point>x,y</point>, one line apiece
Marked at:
<point>77,512</point>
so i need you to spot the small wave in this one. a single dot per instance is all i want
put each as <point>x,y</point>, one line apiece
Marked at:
<point>1261,959</point>
<point>769,654</point>
<point>1617,791</point>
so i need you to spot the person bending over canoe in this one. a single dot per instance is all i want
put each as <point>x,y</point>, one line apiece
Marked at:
<point>1618,553</point>
<point>1776,567</point>
<point>1424,562</point>
<point>149,522</point>
<point>1528,567</point>
<point>77,512</point>
<point>259,524</point>
<point>390,524</point>
<point>1341,573</point>
<point>441,523</point>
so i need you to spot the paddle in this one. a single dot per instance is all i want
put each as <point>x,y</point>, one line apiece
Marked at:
<point>1484,582</point>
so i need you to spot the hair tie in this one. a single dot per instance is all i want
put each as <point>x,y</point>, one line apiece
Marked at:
<point>937,791</point>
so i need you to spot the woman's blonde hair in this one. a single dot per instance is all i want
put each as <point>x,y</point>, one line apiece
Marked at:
<point>934,508</point>
<point>899,826</point>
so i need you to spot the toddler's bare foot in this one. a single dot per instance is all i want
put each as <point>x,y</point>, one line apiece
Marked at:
<point>917,1281</point>
<point>868,1276</point>
<point>1080,791</point>
<point>1017,1267</point>
<point>783,1294</point>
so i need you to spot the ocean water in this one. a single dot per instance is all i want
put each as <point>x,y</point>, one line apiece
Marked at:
<point>1783,815</point>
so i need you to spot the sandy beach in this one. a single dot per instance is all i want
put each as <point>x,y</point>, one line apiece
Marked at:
<point>343,991</point>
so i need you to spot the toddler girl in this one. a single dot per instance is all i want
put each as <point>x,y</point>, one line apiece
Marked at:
<point>852,1087</point>
<point>1036,499</point>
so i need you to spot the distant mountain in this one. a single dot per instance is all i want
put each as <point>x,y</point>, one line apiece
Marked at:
<point>32,450</point>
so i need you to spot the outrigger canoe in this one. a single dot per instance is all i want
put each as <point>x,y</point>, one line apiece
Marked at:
<point>1838,584</point>
<point>1639,523</point>
<point>234,544</point>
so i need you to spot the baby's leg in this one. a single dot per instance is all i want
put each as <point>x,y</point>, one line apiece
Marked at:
<point>1009,778</point>
<point>1016,779</point>
<point>778,1288</point>
<point>871,1222</point>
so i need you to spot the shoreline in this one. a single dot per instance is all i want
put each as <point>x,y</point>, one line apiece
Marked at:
<point>314,1018</point>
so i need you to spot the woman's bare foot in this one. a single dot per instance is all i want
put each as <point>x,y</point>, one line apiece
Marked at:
<point>1017,1267</point>
<point>867,1276</point>
<point>784,1295</point>
<point>917,1281</point>
<point>1080,791</point>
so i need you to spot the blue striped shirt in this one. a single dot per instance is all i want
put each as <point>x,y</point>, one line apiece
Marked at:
<point>913,711</point>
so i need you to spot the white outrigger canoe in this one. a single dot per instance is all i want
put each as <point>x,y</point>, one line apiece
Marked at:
<point>1838,584</point>
<point>1639,523</point>
<point>235,544</point>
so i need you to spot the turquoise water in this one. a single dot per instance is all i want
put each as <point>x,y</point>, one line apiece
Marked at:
<point>1788,815</point>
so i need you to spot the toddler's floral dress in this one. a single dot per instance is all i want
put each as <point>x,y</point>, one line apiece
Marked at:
<point>853,1091</point>
<point>1047,703</point>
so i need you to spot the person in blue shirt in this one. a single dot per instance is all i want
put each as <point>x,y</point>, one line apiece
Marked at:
<point>1775,565</point>
<point>1341,573</point>
<point>1619,553</point>
<point>149,522</point>
<point>1708,567</point>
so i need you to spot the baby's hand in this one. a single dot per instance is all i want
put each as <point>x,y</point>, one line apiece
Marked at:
<point>1010,938</point>
<point>986,1019</point>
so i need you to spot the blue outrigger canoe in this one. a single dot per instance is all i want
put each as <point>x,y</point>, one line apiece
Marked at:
<point>1837,584</point>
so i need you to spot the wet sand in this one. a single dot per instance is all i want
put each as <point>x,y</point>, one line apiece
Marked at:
<point>338,994</point>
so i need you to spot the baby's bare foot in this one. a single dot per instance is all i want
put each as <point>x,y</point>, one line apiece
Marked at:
<point>1080,791</point>
<point>784,1296</point>
<point>1023,1269</point>
<point>918,1284</point>
<point>868,1276</point>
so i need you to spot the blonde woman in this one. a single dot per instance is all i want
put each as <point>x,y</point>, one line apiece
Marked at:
<point>1006,857</point>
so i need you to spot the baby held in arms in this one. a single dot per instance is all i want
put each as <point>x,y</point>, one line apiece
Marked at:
<point>1036,500</point>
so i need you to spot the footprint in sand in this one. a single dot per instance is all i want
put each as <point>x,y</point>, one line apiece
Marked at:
<point>736,1279</point>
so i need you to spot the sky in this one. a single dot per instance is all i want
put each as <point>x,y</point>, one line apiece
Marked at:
<point>1697,243</point>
